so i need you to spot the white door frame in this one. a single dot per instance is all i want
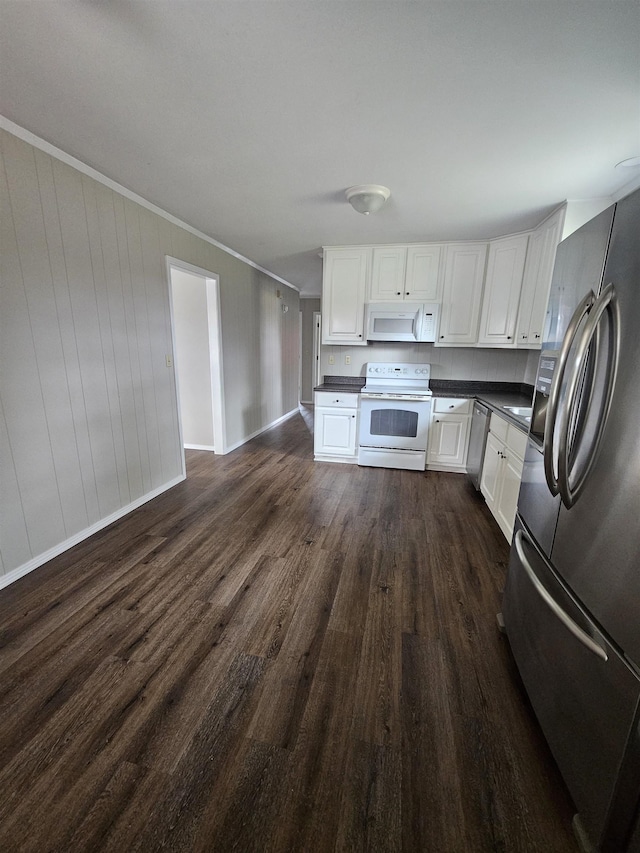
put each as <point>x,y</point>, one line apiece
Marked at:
<point>299,356</point>
<point>212,284</point>
<point>317,338</point>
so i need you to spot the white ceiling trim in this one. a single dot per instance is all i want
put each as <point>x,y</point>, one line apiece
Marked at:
<point>48,148</point>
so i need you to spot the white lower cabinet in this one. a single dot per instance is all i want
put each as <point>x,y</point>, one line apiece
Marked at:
<point>335,429</point>
<point>449,434</point>
<point>502,471</point>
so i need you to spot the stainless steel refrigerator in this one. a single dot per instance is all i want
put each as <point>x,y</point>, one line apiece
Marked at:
<point>571,605</point>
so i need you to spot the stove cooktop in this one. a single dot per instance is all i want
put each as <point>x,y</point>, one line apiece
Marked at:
<point>397,379</point>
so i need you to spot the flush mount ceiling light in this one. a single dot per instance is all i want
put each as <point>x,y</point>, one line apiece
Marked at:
<point>367,198</point>
<point>629,163</point>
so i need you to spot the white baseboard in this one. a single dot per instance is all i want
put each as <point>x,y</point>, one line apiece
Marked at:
<point>200,447</point>
<point>263,429</point>
<point>437,466</point>
<point>43,558</point>
<point>345,460</point>
<point>35,562</point>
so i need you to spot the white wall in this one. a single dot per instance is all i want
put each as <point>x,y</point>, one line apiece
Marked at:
<point>89,420</point>
<point>307,308</point>
<point>531,370</point>
<point>193,359</point>
<point>462,363</point>
<point>581,211</point>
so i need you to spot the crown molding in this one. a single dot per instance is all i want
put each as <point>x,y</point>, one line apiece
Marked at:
<point>48,148</point>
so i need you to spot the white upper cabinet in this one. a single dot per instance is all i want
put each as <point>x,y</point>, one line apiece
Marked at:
<point>503,283</point>
<point>388,273</point>
<point>406,273</point>
<point>537,280</point>
<point>504,308</point>
<point>344,287</point>
<point>423,281</point>
<point>462,293</point>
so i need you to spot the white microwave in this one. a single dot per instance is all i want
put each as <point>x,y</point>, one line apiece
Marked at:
<point>402,321</point>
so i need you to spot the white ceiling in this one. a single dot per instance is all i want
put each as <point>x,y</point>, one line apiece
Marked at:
<point>249,120</point>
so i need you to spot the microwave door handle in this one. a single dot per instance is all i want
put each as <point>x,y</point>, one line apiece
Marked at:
<point>554,392</point>
<point>553,605</point>
<point>606,302</point>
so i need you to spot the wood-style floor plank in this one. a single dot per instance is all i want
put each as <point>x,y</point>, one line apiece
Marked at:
<point>275,655</point>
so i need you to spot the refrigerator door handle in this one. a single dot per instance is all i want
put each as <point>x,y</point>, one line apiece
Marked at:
<point>606,302</point>
<point>553,605</point>
<point>554,393</point>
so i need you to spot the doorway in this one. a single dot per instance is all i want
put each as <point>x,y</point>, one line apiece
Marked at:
<point>317,338</point>
<point>197,350</point>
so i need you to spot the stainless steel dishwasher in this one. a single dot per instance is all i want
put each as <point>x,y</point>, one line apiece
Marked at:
<point>477,441</point>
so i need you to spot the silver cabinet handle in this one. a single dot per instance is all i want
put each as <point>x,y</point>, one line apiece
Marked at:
<point>554,394</point>
<point>553,605</point>
<point>606,302</point>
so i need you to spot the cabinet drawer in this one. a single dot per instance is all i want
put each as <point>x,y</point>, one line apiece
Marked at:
<point>516,440</point>
<point>451,405</point>
<point>337,399</point>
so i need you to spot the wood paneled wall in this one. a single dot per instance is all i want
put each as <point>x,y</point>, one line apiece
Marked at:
<point>89,419</point>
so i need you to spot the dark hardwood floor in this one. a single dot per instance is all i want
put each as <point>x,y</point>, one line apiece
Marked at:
<point>276,655</point>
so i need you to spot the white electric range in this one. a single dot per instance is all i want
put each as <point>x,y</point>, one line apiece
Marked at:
<point>395,409</point>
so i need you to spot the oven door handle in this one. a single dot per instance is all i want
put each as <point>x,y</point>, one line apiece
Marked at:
<point>395,399</point>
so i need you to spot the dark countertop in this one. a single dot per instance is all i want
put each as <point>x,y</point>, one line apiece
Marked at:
<point>495,395</point>
<point>496,402</point>
<point>353,384</point>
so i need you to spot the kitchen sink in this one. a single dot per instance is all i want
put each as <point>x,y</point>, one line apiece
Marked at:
<point>523,412</point>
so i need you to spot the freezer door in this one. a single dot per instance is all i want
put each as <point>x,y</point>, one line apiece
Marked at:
<point>577,270</point>
<point>596,548</point>
<point>584,694</point>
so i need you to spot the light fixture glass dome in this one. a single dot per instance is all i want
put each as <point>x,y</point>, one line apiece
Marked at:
<point>367,198</point>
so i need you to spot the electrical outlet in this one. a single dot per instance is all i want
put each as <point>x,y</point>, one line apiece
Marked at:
<point>169,361</point>
<point>332,359</point>
<point>347,359</point>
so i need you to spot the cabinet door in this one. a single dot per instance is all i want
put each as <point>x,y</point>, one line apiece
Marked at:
<point>505,267</point>
<point>387,279</point>
<point>423,282</point>
<point>529,285</point>
<point>491,469</point>
<point>344,284</point>
<point>449,440</point>
<point>462,293</point>
<point>335,431</point>
<point>552,229</point>
<point>507,503</point>
<point>537,281</point>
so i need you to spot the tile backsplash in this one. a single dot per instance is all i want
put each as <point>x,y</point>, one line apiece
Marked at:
<point>479,365</point>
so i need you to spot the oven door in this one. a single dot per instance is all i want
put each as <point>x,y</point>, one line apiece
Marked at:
<point>394,424</point>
